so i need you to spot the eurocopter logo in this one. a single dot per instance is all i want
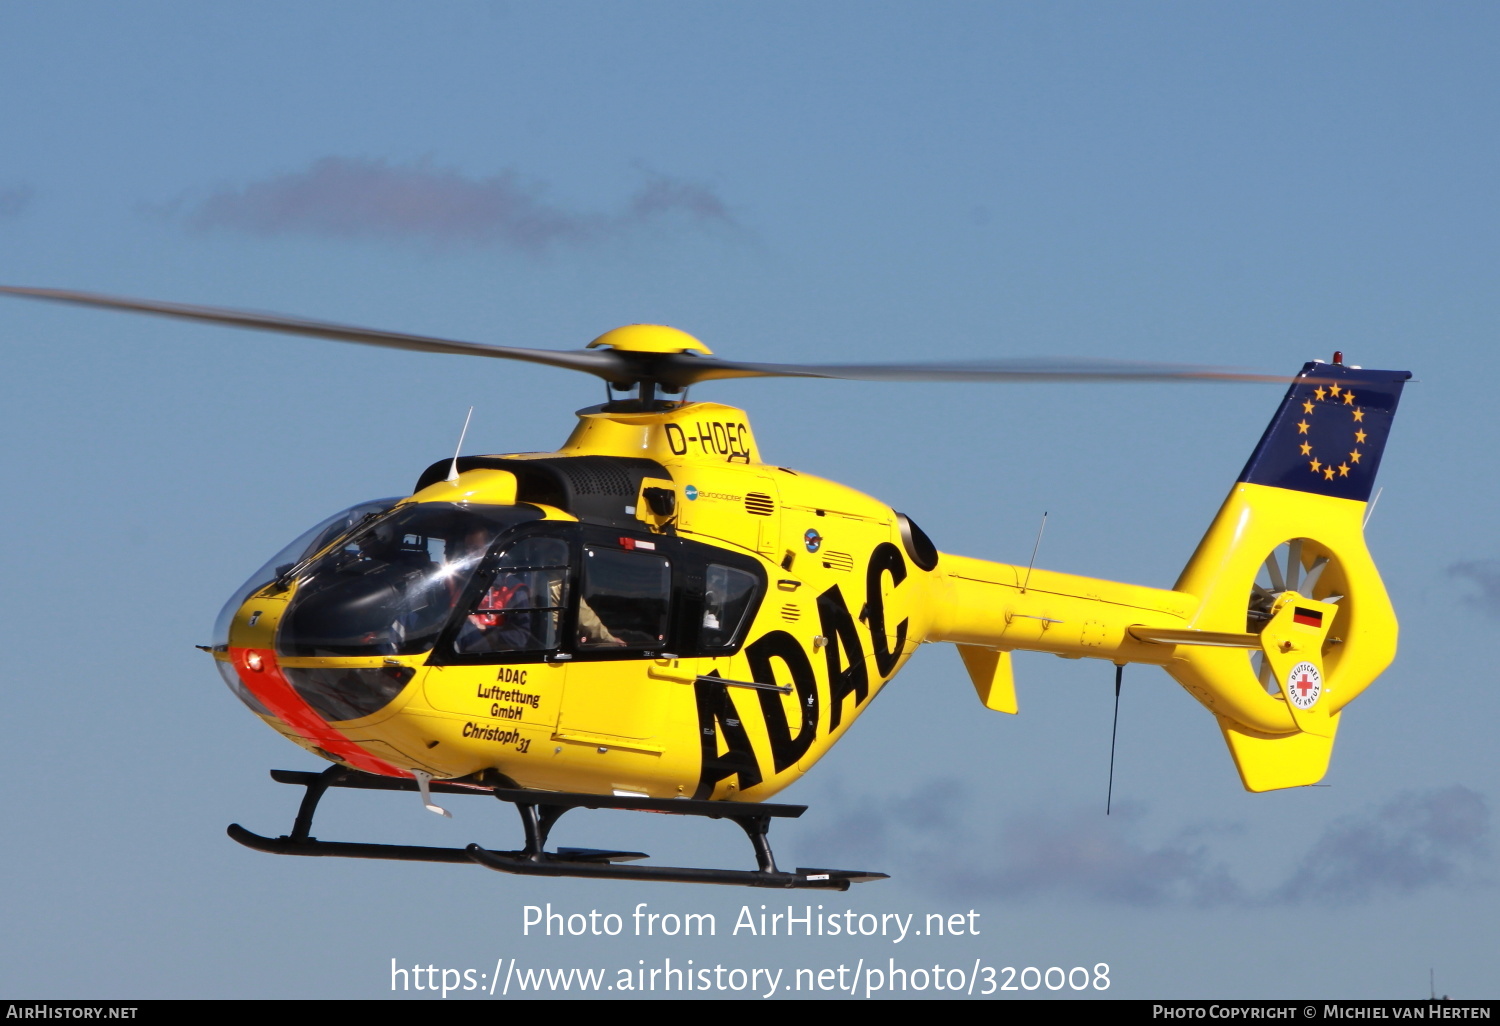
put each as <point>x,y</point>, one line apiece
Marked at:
<point>691,492</point>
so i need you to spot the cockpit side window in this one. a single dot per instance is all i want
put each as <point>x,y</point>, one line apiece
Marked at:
<point>518,605</point>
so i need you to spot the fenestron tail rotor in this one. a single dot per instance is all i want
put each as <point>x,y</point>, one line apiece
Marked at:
<point>1296,566</point>
<point>652,356</point>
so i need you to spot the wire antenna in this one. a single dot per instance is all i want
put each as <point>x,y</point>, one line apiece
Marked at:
<point>1371,508</point>
<point>1034,548</point>
<point>1113,733</point>
<point>453,467</point>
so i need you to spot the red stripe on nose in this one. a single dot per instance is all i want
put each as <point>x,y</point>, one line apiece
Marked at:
<point>258,669</point>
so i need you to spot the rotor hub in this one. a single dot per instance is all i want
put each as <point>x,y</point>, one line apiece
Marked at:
<point>649,338</point>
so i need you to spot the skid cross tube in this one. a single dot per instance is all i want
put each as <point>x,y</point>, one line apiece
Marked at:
<point>539,812</point>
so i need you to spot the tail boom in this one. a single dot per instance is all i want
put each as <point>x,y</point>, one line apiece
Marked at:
<point>1000,606</point>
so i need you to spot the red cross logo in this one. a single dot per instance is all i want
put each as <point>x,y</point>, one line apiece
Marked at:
<point>1304,684</point>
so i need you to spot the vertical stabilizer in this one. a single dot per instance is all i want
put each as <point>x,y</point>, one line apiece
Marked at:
<point>1285,559</point>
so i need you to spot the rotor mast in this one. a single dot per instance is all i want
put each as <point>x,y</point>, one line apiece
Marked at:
<point>644,346</point>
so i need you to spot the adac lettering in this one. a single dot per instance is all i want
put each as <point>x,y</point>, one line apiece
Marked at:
<point>886,559</point>
<point>846,674</point>
<point>786,747</point>
<point>718,716</point>
<point>842,645</point>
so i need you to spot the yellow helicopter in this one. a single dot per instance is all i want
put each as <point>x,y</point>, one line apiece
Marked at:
<point>654,618</point>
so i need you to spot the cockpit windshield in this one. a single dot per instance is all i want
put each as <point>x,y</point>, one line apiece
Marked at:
<point>307,544</point>
<point>390,586</point>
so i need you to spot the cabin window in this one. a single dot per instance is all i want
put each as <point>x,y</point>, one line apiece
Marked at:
<point>625,600</point>
<point>728,595</point>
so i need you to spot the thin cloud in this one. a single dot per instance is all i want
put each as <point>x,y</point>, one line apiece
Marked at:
<point>1105,860</point>
<point>358,198</point>
<point>662,196</point>
<point>1485,573</point>
<point>1039,855</point>
<point>1416,841</point>
<point>14,200</point>
<point>868,827</point>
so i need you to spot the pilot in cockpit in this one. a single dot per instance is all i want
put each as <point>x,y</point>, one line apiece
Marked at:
<point>521,610</point>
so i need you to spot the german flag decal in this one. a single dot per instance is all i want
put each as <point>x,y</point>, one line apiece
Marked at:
<point>1307,617</point>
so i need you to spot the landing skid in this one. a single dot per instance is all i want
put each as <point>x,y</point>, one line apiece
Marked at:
<point>539,811</point>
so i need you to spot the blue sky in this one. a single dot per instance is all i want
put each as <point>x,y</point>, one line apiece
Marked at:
<point>1253,185</point>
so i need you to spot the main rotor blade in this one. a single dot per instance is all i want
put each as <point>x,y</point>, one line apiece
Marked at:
<point>673,369</point>
<point>689,370</point>
<point>603,363</point>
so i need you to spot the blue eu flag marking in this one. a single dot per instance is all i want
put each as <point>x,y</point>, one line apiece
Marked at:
<point>1330,432</point>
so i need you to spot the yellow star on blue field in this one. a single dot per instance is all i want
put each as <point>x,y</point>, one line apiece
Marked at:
<point>1321,451</point>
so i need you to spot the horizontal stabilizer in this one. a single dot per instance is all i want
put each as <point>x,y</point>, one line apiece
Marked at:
<point>1213,639</point>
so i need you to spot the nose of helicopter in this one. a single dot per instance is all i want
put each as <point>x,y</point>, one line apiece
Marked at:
<point>271,684</point>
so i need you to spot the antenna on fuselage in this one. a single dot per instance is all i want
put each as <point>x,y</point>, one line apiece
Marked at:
<point>1034,548</point>
<point>1113,733</point>
<point>453,467</point>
